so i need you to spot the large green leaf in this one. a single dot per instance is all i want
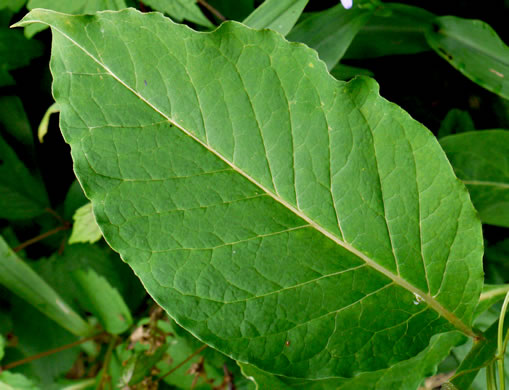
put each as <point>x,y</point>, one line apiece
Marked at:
<point>330,32</point>
<point>481,160</point>
<point>290,220</point>
<point>475,49</point>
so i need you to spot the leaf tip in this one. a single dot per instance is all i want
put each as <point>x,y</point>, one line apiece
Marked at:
<point>29,18</point>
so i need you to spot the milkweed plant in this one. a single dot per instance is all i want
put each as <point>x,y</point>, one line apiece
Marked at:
<point>276,194</point>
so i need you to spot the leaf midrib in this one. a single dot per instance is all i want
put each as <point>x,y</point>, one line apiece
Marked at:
<point>445,313</point>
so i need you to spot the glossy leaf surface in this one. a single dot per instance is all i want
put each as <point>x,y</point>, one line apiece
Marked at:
<point>475,49</point>
<point>481,160</point>
<point>290,220</point>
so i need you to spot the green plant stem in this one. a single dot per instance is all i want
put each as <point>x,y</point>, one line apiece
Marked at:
<point>49,352</point>
<point>490,378</point>
<point>501,343</point>
<point>199,350</point>
<point>107,358</point>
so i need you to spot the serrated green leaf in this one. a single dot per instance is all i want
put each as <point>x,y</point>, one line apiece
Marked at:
<point>22,195</point>
<point>43,126</point>
<point>406,375</point>
<point>278,15</point>
<point>473,48</point>
<point>102,300</point>
<point>296,222</point>
<point>85,227</point>
<point>393,29</point>
<point>180,10</point>
<point>24,282</point>
<point>330,32</point>
<point>12,381</point>
<point>481,160</point>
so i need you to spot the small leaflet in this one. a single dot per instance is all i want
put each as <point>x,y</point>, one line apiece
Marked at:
<point>85,228</point>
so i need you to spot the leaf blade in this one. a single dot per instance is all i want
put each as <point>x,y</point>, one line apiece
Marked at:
<point>473,48</point>
<point>480,159</point>
<point>282,217</point>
